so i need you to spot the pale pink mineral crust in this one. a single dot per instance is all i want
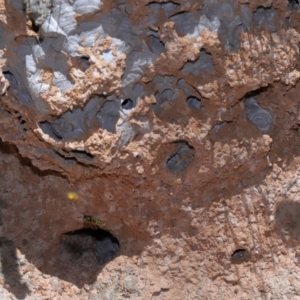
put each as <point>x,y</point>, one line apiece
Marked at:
<point>173,126</point>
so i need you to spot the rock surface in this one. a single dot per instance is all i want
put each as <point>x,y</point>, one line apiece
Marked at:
<point>172,126</point>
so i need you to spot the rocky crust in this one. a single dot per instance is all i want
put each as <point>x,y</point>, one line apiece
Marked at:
<point>171,128</point>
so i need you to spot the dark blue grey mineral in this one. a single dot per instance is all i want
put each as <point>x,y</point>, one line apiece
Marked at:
<point>232,21</point>
<point>182,157</point>
<point>265,17</point>
<point>20,91</point>
<point>293,4</point>
<point>11,79</point>
<point>165,91</point>
<point>193,102</point>
<point>155,44</point>
<point>257,115</point>
<point>223,16</point>
<point>202,64</point>
<point>109,115</point>
<point>72,124</point>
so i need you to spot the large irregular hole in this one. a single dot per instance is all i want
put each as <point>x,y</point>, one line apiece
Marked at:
<point>181,158</point>
<point>239,256</point>
<point>95,246</point>
<point>193,102</point>
<point>257,115</point>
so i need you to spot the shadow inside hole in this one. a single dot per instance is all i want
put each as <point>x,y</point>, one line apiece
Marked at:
<point>288,222</point>
<point>88,249</point>
<point>127,104</point>
<point>10,269</point>
<point>240,256</point>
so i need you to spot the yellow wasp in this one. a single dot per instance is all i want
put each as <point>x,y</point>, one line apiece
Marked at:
<point>92,222</point>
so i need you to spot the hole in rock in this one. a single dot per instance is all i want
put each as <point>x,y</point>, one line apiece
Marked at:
<point>182,157</point>
<point>94,246</point>
<point>193,102</point>
<point>11,79</point>
<point>127,104</point>
<point>239,256</point>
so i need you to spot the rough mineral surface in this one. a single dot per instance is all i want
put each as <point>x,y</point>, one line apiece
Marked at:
<point>149,149</point>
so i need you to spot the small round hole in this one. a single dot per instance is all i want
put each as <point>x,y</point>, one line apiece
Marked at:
<point>127,104</point>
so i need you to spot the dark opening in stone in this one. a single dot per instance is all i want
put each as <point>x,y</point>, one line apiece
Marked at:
<point>96,246</point>
<point>127,104</point>
<point>34,27</point>
<point>193,102</point>
<point>239,256</point>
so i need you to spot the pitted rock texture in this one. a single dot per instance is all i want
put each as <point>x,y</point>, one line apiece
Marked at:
<point>175,123</point>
